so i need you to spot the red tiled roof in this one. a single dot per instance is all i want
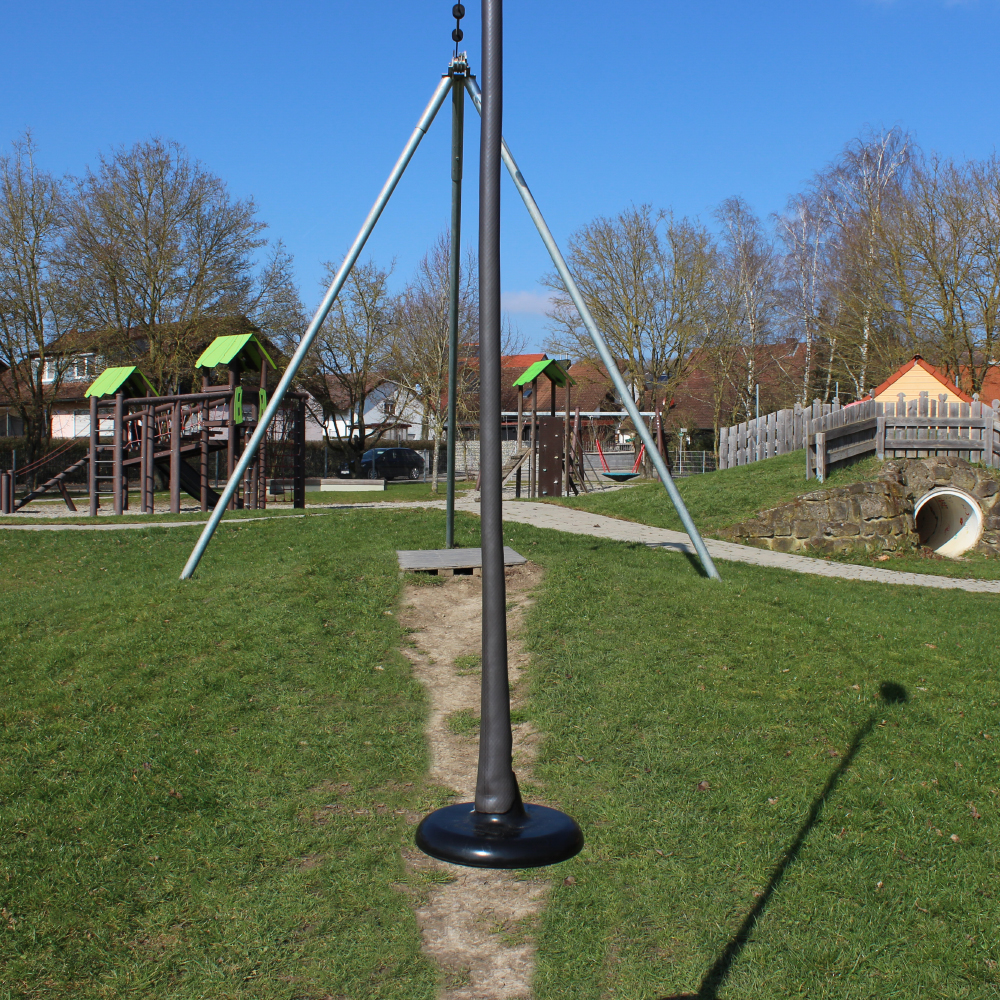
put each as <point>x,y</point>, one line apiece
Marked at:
<point>931,370</point>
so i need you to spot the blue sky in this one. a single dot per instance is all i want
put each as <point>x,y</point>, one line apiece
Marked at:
<point>305,105</point>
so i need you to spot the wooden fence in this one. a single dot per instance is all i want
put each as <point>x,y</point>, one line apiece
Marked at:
<point>830,433</point>
<point>772,434</point>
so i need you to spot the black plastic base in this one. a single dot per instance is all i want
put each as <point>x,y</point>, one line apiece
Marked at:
<point>530,838</point>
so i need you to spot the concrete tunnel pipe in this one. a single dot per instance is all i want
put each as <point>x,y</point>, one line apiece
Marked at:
<point>949,521</point>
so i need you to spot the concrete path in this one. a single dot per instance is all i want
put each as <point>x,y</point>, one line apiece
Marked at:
<point>581,522</point>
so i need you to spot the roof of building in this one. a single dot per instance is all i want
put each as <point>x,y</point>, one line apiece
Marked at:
<point>934,372</point>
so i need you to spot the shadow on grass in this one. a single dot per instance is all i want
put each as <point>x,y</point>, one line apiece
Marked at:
<point>892,694</point>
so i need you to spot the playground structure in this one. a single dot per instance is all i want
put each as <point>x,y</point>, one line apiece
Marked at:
<point>137,434</point>
<point>553,454</point>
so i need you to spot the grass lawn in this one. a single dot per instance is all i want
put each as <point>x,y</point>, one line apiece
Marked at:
<point>205,786</point>
<point>841,845</point>
<point>720,499</point>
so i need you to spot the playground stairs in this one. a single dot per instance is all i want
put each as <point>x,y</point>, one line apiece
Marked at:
<point>56,482</point>
<point>513,464</point>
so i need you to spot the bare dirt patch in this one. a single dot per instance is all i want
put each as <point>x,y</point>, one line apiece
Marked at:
<point>478,926</point>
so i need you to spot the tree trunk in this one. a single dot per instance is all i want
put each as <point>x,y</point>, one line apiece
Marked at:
<point>434,474</point>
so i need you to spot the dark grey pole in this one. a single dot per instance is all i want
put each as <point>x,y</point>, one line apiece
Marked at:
<point>497,830</point>
<point>496,786</point>
<point>458,68</point>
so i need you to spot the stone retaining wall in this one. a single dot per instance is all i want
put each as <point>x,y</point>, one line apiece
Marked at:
<point>876,516</point>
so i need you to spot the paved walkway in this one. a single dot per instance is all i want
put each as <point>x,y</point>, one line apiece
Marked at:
<point>581,522</point>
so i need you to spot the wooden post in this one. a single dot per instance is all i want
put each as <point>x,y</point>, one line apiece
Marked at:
<point>821,456</point>
<point>992,429</point>
<point>262,452</point>
<point>231,434</point>
<point>566,442</point>
<point>520,437</point>
<point>145,442</point>
<point>581,466</point>
<point>92,471</point>
<point>661,445</point>
<point>533,457</point>
<point>119,433</point>
<point>299,455</point>
<point>206,413</point>
<point>175,458</point>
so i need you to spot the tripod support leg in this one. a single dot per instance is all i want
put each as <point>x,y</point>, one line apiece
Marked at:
<point>317,321</point>
<point>602,348</point>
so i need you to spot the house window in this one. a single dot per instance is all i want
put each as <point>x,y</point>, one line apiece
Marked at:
<point>81,368</point>
<point>49,370</point>
<point>388,407</point>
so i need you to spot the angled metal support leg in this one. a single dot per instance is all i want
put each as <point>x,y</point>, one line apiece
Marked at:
<point>600,345</point>
<point>317,321</point>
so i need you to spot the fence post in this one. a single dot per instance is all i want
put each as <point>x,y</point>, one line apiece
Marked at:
<point>821,456</point>
<point>994,428</point>
<point>880,438</point>
<point>5,504</point>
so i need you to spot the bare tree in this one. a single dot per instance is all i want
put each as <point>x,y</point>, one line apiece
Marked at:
<point>864,188</point>
<point>155,243</point>
<point>351,359</point>
<point>746,284</point>
<point>644,277</point>
<point>804,232</point>
<point>33,311</point>
<point>420,351</point>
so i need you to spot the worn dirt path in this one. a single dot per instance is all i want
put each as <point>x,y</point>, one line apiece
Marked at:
<point>479,926</point>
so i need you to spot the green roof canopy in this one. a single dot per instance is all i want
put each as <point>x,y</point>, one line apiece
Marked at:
<point>224,350</point>
<point>551,369</point>
<point>129,380</point>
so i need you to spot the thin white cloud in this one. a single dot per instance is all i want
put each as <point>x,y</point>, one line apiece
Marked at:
<point>525,303</point>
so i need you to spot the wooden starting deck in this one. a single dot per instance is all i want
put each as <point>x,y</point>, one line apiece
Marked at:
<point>451,562</point>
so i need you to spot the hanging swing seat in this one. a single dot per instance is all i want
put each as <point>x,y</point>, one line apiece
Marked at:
<point>620,477</point>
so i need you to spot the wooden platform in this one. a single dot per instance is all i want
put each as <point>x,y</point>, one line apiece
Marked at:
<point>451,562</point>
<point>336,485</point>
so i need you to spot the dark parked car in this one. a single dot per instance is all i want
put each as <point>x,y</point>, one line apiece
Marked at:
<point>388,463</point>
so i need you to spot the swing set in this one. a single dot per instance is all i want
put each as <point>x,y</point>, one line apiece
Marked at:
<point>620,477</point>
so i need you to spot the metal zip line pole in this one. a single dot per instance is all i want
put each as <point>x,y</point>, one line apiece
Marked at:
<point>602,347</point>
<point>459,69</point>
<point>498,830</point>
<point>496,785</point>
<point>317,321</point>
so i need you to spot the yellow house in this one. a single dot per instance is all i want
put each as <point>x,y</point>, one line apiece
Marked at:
<point>915,377</point>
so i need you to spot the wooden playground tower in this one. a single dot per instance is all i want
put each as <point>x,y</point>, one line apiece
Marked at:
<point>554,451</point>
<point>134,429</point>
<point>551,453</point>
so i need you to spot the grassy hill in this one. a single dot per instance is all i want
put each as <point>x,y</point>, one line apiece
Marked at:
<point>722,498</point>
